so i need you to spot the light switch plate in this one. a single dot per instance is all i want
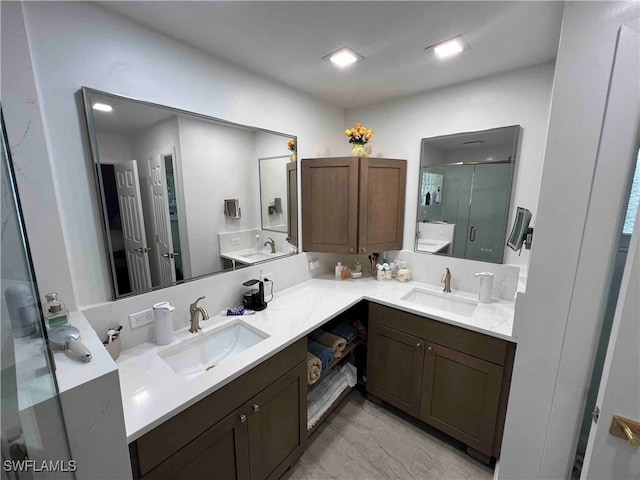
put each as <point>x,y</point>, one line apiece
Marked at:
<point>314,264</point>
<point>235,241</point>
<point>141,318</point>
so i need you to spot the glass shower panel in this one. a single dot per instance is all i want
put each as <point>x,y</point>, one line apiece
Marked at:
<point>488,203</point>
<point>34,441</point>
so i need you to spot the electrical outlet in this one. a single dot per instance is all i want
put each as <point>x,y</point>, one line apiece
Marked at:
<point>235,241</point>
<point>141,318</point>
<point>266,275</point>
<point>314,264</point>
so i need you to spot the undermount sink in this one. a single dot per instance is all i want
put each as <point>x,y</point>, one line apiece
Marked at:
<point>258,256</point>
<point>195,357</point>
<point>441,301</point>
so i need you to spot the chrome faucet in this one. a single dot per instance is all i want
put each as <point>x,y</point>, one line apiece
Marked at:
<point>272,243</point>
<point>195,312</point>
<point>446,279</point>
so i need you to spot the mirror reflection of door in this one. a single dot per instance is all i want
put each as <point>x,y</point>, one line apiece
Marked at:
<point>134,242</point>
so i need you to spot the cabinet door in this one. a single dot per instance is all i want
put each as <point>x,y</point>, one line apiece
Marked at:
<point>330,205</point>
<point>394,367</point>
<point>292,203</point>
<point>381,204</point>
<point>220,452</point>
<point>461,396</point>
<point>278,425</point>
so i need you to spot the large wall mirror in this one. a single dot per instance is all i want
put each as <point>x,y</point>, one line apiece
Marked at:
<point>166,181</point>
<point>464,192</point>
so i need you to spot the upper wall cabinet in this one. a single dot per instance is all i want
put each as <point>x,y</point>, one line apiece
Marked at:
<point>352,205</point>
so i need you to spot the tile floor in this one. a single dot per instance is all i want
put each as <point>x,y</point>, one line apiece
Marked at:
<point>365,442</point>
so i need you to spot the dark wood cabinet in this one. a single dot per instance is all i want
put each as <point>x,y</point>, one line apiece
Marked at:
<point>278,425</point>
<point>397,358</point>
<point>221,452</point>
<point>461,395</point>
<point>292,202</point>
<point>352,205</point>
<point>253,428</point>
<point>451,378</point>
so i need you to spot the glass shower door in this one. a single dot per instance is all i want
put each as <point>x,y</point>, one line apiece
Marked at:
<point>33,436</point>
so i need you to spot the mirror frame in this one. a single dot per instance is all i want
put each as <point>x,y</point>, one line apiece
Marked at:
<point>99,185</point>
<point>512,160</point>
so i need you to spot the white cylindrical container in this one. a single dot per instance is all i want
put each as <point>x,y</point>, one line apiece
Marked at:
<point>339,268</point>
<point>486,287</point>
<point>404,274</point>
<point>163,322</point>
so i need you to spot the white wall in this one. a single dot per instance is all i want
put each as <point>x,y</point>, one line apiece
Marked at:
<point>520,97</point>
<point>113,149</point>
<point>218,163</point>
<point>74,44</point>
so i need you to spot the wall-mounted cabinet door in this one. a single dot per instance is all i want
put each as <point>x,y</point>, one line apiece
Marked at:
<point>220,452</point>
<point>394,367</point>
<point>461,396</point>
<point>292,202</point>
<point>381,204</point>
<point>330,205</point>
<point>278,424</point>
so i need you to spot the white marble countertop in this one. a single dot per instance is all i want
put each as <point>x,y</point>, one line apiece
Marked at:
<point>152,392</point>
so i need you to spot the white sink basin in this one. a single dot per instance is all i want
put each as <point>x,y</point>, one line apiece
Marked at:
<point>258,256</point>
<point>441,301</point>
<point>195,357</point>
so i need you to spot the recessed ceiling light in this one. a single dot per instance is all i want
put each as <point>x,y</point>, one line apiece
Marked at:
<point>450,47</point>
<point>343,57</point>
<point>102,107</point>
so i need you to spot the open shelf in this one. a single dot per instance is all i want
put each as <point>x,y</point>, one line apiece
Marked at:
<point>330,410</point>
<point>348,351</point>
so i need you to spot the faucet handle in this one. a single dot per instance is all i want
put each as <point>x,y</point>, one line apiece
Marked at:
<point>194,305</point>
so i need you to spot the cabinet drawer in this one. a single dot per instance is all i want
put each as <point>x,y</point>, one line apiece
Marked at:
<point>166,439</point>
<point>488,348</point>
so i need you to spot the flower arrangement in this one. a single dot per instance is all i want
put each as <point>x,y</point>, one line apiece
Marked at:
<point>358,134</point>
<point>291,145</point>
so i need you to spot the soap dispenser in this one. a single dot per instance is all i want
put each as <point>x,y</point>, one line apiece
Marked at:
<point>486,287</point>
<point>164,324</point>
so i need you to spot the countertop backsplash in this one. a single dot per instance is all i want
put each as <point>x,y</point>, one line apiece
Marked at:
<point>430,268</point>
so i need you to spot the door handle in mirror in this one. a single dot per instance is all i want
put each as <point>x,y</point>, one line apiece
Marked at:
<point>472,234</point>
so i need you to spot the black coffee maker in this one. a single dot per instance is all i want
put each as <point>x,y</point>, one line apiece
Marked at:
<point>253,295</point>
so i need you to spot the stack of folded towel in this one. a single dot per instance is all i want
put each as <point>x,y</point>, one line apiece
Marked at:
<point>335,342</point>
<point>345,331</point>
<point>314,368</point>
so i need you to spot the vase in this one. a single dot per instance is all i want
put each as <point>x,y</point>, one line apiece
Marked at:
<point>360,150</point>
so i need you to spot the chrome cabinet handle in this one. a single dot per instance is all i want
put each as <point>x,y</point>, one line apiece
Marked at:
<point>418,344</point>
<point>255,407</point>
<point>243,418</point>
<point>429,348</point>
<point>364,250</point>
<point>472,234</point>
<point>351,250</point>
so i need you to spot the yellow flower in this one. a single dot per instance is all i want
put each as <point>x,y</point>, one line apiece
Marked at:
<point>356,126</point>
<point>367,136</point>
<point>370,133</point>
<point>363,130</point>
<point>347,132</point>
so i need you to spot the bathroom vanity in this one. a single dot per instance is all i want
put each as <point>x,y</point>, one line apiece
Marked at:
<point>247,416</point>
<point>453,379</point>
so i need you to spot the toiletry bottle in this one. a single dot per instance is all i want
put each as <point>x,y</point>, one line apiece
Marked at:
<point>55,314</point>
<point>339,269</point>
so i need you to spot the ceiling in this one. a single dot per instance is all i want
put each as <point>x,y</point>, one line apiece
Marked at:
<point>285,41</point>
